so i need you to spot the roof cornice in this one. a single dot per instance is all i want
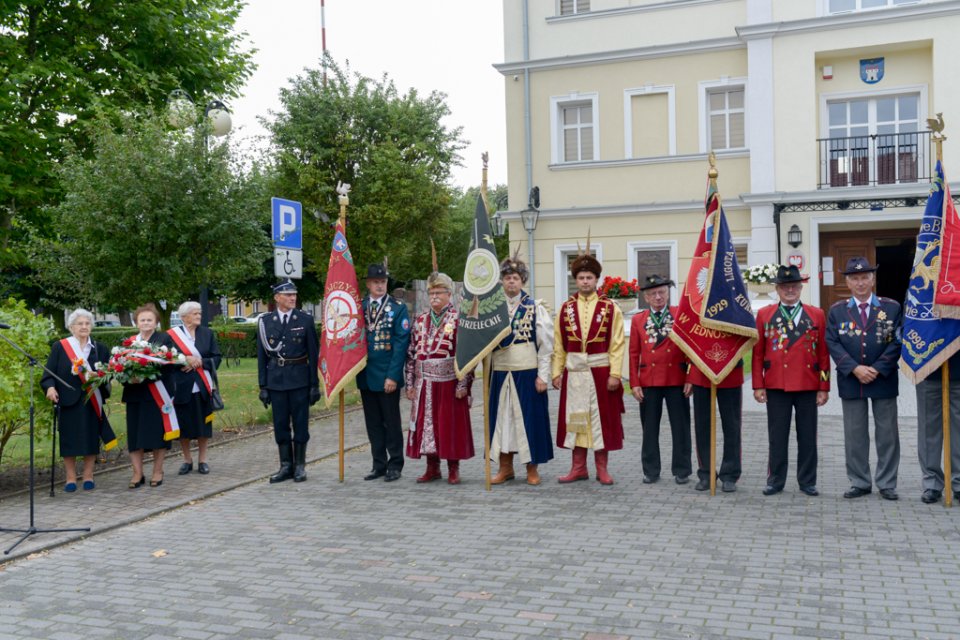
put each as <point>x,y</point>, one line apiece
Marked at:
<point>623,55</point>
<point>848,20</point>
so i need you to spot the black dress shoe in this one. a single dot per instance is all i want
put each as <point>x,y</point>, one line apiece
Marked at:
<point>729,486</point>
<point>889,494</point>
<point>185,468</point>
<point>682,479</point>
<point>770,490</point>
<point>702,485</point>
<point>392,474</point>
<point>930,496</point>
<point>650,479</point>
<point>857,492</point>
<point>373,475</point>
<point>810,490</point>
<point>203,468</point>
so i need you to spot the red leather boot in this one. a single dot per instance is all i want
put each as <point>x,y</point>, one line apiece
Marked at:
<point>433,470</point>
<point>453,468</point>
<point>578,470</point>
<point>600,457</point>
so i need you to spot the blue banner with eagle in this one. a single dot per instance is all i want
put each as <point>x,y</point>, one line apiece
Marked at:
<point>928,339</point>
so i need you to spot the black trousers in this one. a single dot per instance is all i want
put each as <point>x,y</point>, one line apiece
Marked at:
<point>291,406</point>
<point>730,406</point>
<point>678,410</point>
<point>781,405</point>
<point>381,412</point>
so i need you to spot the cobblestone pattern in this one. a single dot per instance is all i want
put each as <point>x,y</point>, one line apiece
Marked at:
<point>400,560</point>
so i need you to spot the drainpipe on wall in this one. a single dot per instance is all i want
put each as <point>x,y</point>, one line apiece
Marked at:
<point>527,134</point>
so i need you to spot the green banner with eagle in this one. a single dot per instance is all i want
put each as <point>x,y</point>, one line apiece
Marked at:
<point>484,316</point>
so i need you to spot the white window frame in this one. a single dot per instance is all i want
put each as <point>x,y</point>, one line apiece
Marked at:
<point>705,87</point>
<point>823,7</point>
<point>628,95</point>
<point>743,240</point>
<point>635,246</point>
<point>560,268</point>
<point>576,8</point>
<point>556,126</point>
<point>846,96</point>
<point>238,308</point>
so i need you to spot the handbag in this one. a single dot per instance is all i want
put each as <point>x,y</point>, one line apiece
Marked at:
<point>216,401</point>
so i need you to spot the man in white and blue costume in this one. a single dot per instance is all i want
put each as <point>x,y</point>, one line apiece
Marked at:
<point>519,411</point>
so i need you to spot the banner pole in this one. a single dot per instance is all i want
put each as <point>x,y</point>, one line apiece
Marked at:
<point>945,423</point>
<point>341,435</point>
<point>486,418</point>
<point>713,439</point>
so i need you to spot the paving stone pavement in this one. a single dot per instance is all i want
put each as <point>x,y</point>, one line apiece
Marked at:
<point>375,560</point>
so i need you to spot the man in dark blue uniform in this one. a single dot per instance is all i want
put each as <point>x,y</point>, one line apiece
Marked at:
<point>287,353</point>
<point>388,336</point>
<point>863,334</point>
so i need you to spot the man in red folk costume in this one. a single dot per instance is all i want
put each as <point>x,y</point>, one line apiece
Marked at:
<point>588,350</point>
<point>441,405</point>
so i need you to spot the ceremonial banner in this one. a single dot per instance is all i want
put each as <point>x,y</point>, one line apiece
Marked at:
<point>714,325</point>
<point>343,345</point>
<point>929,339</point>
<point>947,295</point>
<point>484,316</point>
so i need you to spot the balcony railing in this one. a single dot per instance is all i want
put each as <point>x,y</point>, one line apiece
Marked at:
<point>888,158</point>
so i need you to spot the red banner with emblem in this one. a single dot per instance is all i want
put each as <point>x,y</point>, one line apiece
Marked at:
<point>343,341</point>
<point>714,325</point>
<point>946,297</point>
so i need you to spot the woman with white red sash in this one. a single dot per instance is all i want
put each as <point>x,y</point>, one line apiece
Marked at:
<point>146,406</point>
<point>83,423</point>
<point>195,384</point>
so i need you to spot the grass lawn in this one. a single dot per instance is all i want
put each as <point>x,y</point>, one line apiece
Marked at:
<point>242,411</point>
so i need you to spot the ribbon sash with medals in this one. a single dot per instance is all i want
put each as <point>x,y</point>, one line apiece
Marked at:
<point>189,347</point>
<point>71,346</point>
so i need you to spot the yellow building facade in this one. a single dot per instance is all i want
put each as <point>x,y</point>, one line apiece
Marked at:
<point>816,110</point>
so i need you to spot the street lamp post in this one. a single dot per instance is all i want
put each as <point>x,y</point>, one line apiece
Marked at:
<point>182,114</point>
<point>529,217</point>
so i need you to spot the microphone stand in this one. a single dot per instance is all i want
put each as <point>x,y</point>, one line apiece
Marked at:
<point>32,529</point>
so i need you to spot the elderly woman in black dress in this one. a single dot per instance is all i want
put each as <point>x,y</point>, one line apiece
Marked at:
<point>144,414</point>
<point>195,384</point>
<point>82,422</point>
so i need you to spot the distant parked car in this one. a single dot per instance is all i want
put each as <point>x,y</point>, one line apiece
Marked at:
<point>106,323</point>
<point>175,320</point>
<point>238,319</point>
<point>253,317</point>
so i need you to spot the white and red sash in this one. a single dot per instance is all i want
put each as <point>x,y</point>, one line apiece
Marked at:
<point>161,397</point>
<point>71,346</point>
<point>190,348</point>
<point>75,354</point>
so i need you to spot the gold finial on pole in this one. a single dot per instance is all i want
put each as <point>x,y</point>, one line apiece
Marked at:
<point>485,156</point>
<point>713,174</point>
<point>936,126</point>
<point>343,197</point>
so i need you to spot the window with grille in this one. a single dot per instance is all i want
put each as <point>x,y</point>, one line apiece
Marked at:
<point>725,118</point>
<point>571,7</point>
<point>845,6</point>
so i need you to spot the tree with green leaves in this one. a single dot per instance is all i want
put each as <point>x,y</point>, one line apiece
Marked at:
<point>392,148</point>
<point>152,215</point>
<point>32,334</point>
<point>453,240</point>
<point>63,62</point>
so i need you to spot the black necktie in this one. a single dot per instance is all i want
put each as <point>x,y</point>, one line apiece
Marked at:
<point>285,321</point>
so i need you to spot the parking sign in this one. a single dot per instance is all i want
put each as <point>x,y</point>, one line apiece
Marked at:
<point>287,223</point>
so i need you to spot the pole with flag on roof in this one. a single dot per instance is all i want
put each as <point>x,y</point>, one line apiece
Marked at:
<point>715,326</point>
<point>931,312</point>
<point>484,314</point>
<point>343,347</point>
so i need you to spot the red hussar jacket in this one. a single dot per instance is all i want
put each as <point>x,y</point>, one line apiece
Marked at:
<point>791,354</point>
<point>655,361</point>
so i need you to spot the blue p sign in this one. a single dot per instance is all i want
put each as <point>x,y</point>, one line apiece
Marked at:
<point>287,223</point>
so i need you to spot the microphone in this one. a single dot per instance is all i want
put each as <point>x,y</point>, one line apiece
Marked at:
<point>4,325</point>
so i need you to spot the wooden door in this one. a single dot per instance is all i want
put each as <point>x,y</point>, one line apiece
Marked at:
<point>896,246</point>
